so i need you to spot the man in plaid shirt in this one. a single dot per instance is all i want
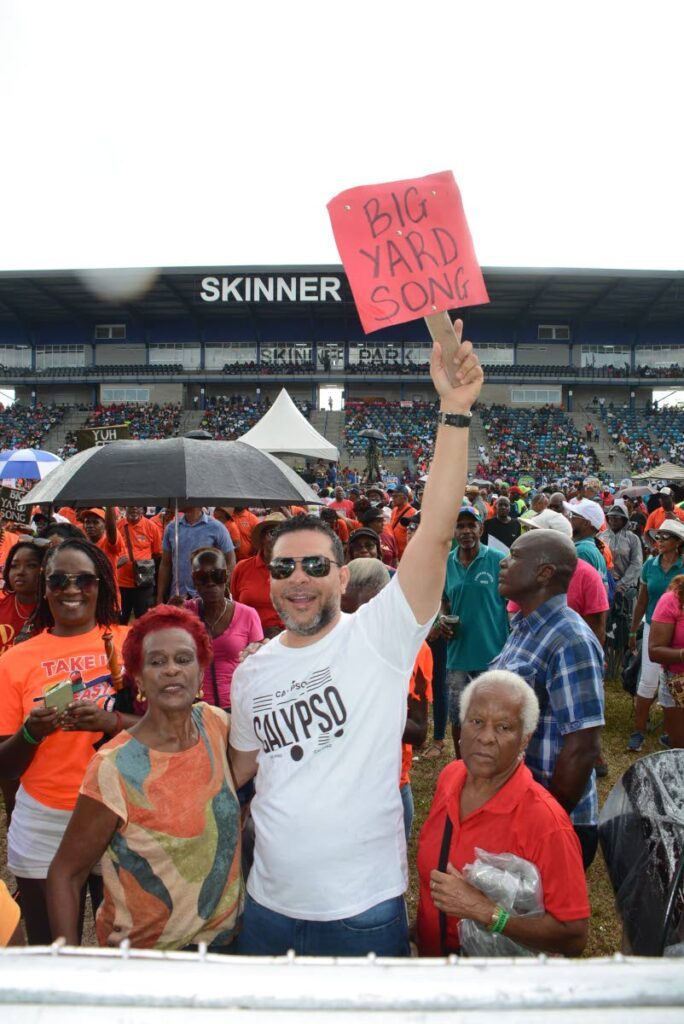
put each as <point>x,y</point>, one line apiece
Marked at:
<point>554,650</point>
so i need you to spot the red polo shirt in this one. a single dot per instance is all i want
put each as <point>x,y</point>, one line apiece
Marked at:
<point>251,584</point>
<point>521,818</point>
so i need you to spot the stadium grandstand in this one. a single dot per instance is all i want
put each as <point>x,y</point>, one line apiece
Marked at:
<point>576,362</point>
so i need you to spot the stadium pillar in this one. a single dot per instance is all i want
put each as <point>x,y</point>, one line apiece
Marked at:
<point>632,401</point>
<point>569,399</point>
<point>203,399</point>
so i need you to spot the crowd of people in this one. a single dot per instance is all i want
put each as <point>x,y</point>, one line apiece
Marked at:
<point>408,427</point>
<point>155,666</point>
<point>647,439</point>
<point>147,421</point>
<point>228,417</point>
<point>23,426</point>
<point>543,443</point>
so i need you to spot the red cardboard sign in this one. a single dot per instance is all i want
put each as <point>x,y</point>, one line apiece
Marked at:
<point>407,250</point>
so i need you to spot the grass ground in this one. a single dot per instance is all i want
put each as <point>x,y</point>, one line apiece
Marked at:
<point>605,931</point>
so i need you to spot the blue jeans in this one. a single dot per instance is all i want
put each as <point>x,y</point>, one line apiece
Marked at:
<point>383,930</point>
<point>407,801</point>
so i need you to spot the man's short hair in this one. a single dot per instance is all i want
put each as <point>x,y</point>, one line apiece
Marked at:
<point>367,574</point>
<point>311,523</point>
<point>515,685</point>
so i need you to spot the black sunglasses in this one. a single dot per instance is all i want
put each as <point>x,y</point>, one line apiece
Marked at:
<point>209,575</point>
<point>666,536</point>
<point>85,581</point>
<point>313,565</point>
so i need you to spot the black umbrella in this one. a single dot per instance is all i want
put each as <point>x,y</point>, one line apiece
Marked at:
<point>176,471</point>
<point>199,435</point>
<point>634,492</point>
<point>372,434</point>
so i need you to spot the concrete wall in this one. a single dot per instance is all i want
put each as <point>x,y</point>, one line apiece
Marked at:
<point>65,395</point>
<point>159,393</point>
<point>548,355</point>
<point>116,355</point>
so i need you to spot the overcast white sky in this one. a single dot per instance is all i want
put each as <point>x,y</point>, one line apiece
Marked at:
<point>166,133</point>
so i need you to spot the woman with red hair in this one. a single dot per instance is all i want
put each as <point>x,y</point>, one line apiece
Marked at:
<point>158,806</point>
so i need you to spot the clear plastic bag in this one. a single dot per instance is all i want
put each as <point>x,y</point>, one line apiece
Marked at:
<point>513,883</point>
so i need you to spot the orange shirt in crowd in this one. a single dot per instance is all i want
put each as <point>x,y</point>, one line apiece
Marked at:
<point>397,529</point>
<point>145,543</point>
<point>56,772</point>
<point>607,554</point>
<point>658,517</point>
<point>341,529</point>
<point>240,526</point>
<point>251,584</point>
<point>420,688</point>
<point>113,552</point>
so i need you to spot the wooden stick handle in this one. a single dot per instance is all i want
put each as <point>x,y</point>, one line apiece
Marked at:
<point>442,330</point>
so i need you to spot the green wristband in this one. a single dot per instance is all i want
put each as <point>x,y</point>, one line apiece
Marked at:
<point>501,921</point>
<point>29,738</point>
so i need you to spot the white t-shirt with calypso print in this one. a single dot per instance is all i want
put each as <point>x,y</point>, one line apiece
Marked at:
<point>327,721</point>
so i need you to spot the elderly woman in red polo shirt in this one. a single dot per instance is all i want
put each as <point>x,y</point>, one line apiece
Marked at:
<point>250,583</point>
<point>489,800</point>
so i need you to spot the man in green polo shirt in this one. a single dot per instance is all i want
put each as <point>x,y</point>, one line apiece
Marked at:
<point>471,592</point>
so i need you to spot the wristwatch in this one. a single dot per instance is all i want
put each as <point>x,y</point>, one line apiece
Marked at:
<point>455,419</point>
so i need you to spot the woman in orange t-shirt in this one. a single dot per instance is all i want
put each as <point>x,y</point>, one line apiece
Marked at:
<point>251,581</point>
<point>49,747</point>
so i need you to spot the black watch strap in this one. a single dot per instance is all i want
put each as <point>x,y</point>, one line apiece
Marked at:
<point>454,419</point>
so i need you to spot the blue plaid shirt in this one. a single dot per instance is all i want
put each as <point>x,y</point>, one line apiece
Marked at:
<point>554,650</point>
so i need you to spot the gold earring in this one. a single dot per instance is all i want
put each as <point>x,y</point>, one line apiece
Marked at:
<point>141,696</point>
<point>200,693</point>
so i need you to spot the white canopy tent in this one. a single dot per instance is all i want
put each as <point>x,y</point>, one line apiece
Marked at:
<point>284,431</point>
<point>665,471</point>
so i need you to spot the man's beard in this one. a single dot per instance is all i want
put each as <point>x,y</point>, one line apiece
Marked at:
<point>324,617</point>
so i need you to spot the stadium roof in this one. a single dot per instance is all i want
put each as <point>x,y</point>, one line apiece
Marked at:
<point>633,298</point>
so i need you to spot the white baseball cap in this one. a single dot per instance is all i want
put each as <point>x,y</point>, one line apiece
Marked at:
<point>549,520</point>
<point>586,509</point>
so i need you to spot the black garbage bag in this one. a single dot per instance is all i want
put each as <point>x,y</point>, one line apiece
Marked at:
<point>641,831</point>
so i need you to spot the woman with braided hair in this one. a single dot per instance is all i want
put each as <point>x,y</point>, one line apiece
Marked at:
<point>56,700</point>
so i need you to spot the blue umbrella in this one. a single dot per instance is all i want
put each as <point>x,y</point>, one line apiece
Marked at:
<point>27,464</point>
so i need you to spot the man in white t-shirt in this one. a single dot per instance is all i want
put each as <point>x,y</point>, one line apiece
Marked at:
<point>320,712</point>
